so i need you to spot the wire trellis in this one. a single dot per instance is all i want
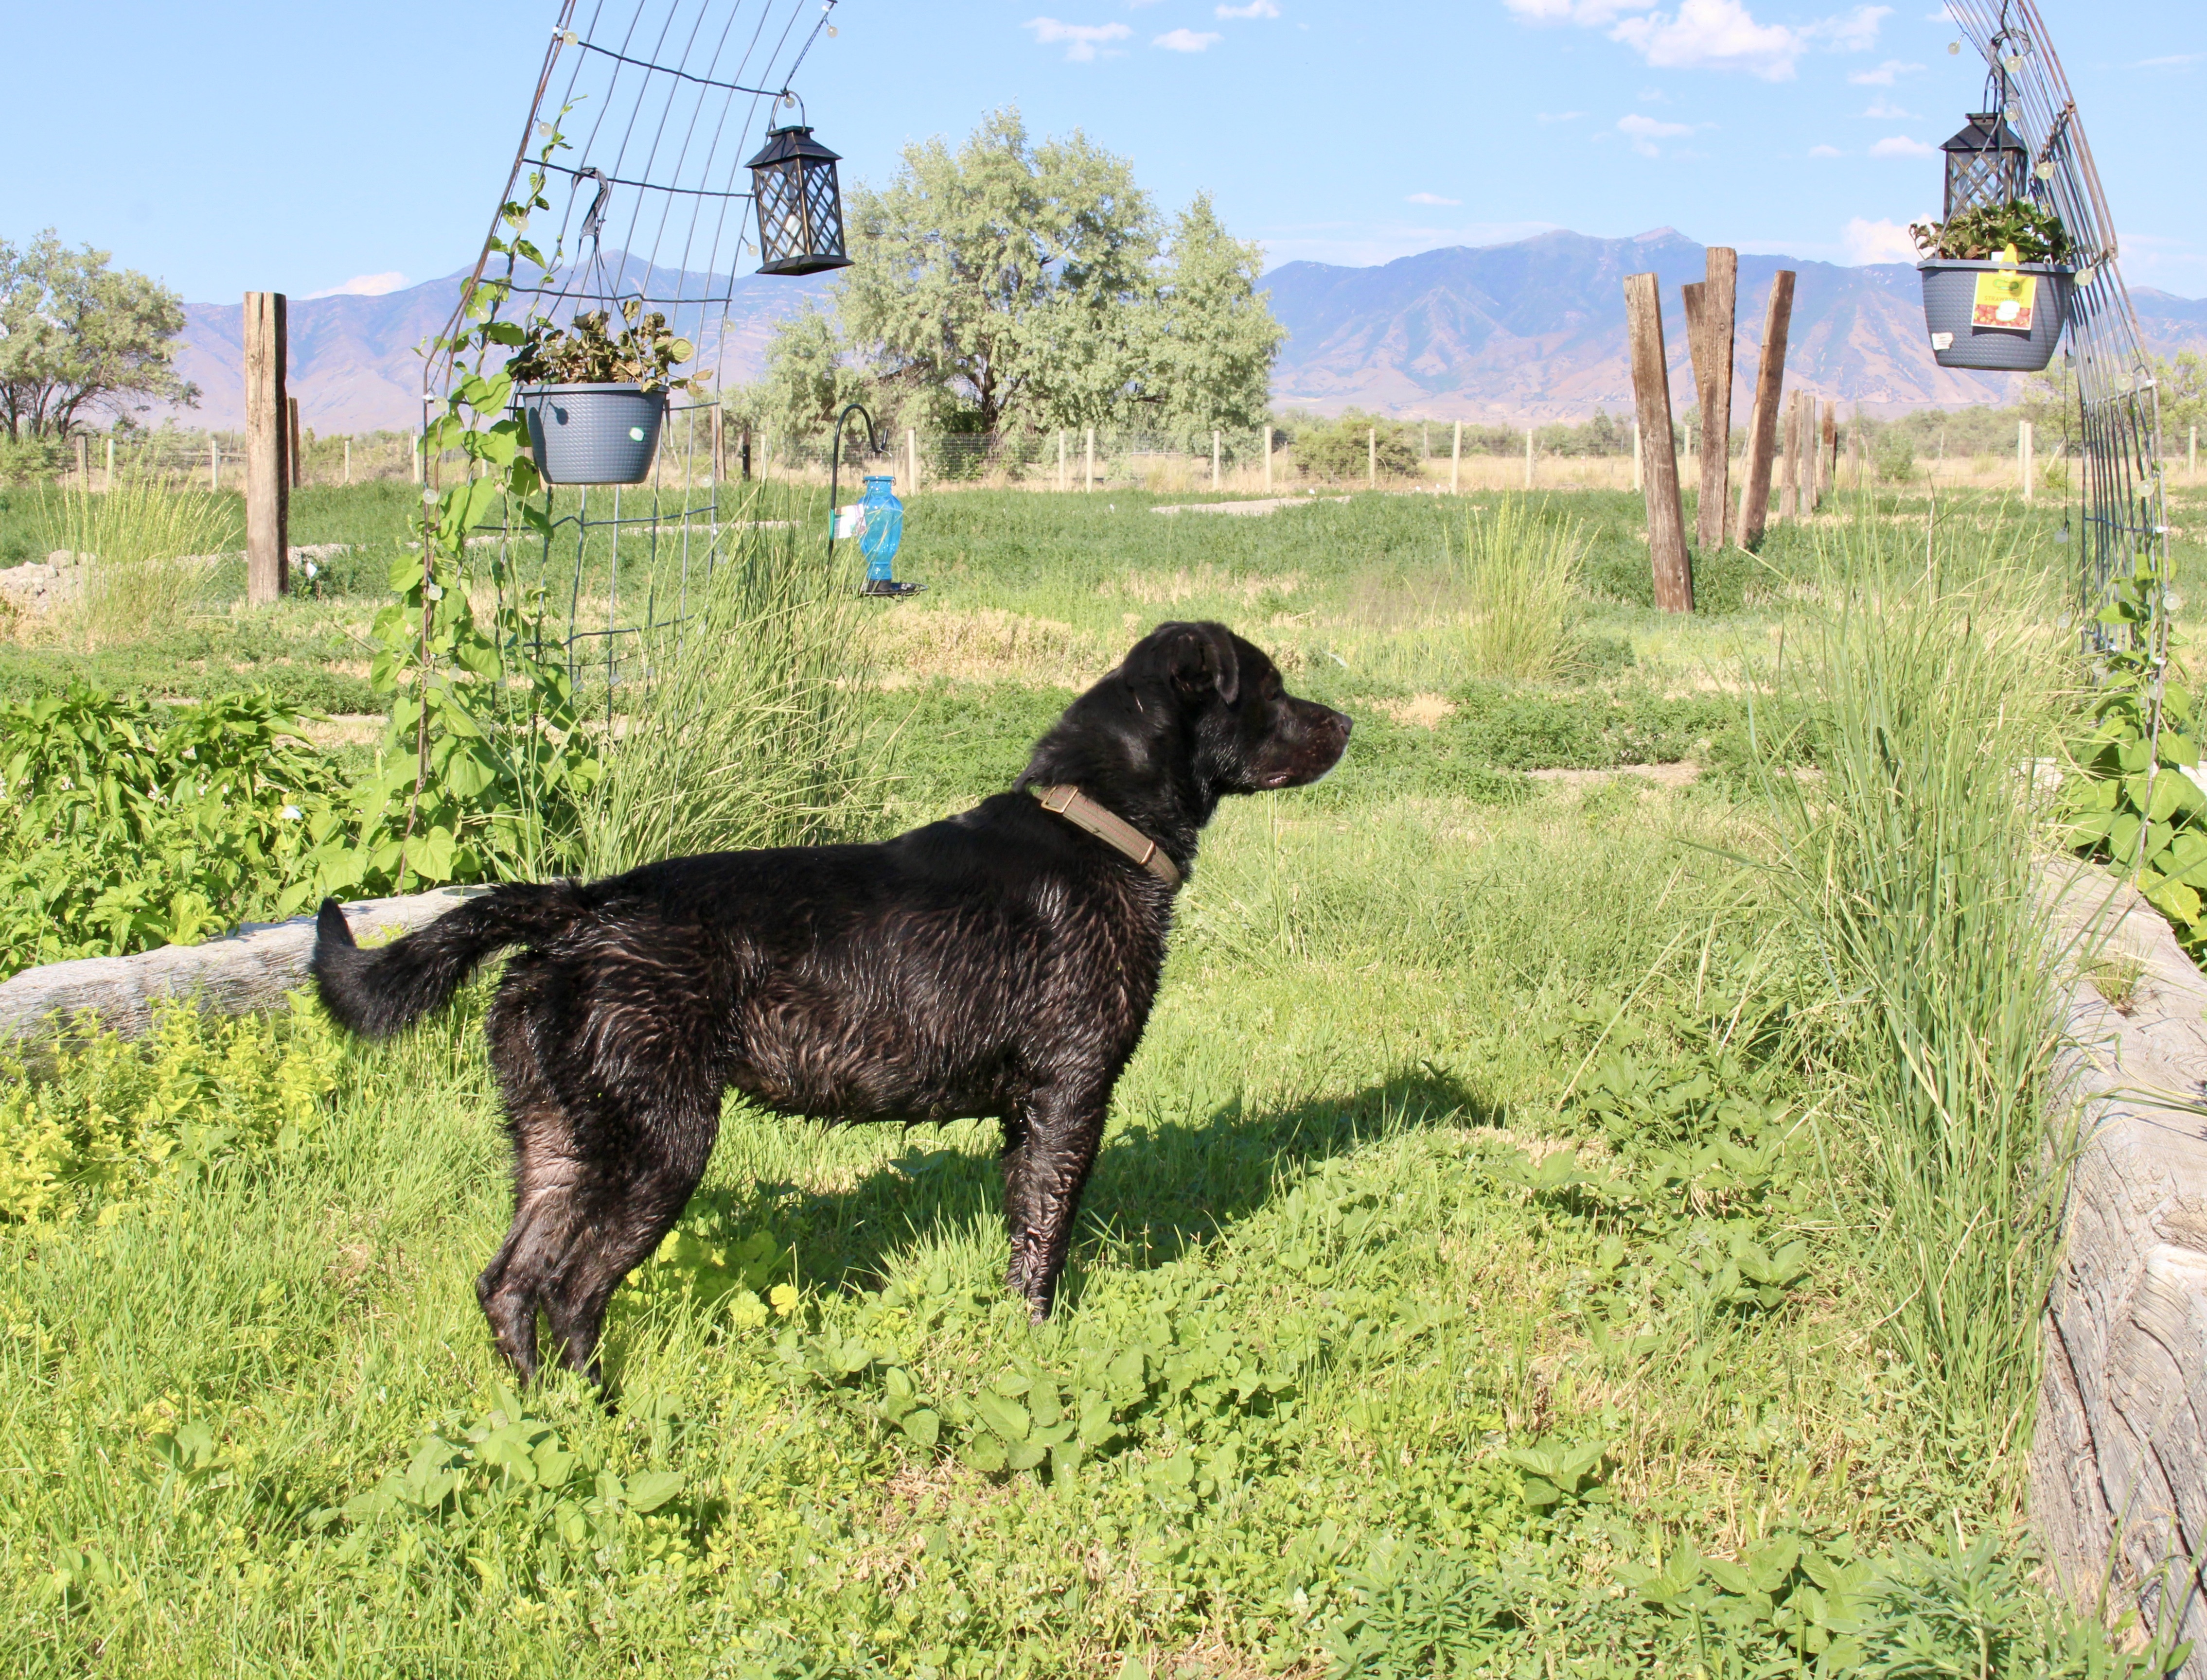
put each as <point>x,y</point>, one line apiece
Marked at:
<point>658,102</point>
<point>2121,514</point>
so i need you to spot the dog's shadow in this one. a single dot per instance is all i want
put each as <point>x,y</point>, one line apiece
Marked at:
<point>1160,1187</point>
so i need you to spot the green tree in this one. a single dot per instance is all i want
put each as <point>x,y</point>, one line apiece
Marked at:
<point>990,275</point>
<point>1344,452</point>
<point>1207,349</point>
<point>76,335</point>
<point>1010,284</point>
<point>809,375</point>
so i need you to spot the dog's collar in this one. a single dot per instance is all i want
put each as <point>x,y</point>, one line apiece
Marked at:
<point>1114,831</point>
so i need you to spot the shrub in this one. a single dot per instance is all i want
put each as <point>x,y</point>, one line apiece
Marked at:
<point>1340,452</point>
<point>1520,572</point>
<point>150,553</point>
<point>1895,458</point>
<point>751,733</point>
<point>120,1121</point>
<point>128,827</point>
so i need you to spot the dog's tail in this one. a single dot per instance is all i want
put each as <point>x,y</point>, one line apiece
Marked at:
<point>376,992</point>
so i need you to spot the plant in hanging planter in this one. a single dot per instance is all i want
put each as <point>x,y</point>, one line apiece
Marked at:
<point>594,398</point>
<point>2031,233</point>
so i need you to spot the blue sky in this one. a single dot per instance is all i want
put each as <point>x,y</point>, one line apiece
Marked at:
<point>303,147</point>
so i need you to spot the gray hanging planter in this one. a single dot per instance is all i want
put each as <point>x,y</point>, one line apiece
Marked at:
<point>1963,336</point>
<point>593,433</point>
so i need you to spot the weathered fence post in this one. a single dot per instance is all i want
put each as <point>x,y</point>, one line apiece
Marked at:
<point>108,483</point>
<point>1088,472</point>
<point>1789,472</point>
<point>1827,457</point>
<point>1762,427</point>
<point>2023,451</point>
<point>83,463</point>
<point>1712,321</point>
<point>267,478</point>
<point>1455,462</point>
<point>348,459</point>
<point>1060,458</point>
<point>1267,429</point>
<point>214,463</point>
<point>1214,457</point>
<point>294,476</point>
<point>1650,390</point>
<point>1371,458</point>
<point>744,459</point>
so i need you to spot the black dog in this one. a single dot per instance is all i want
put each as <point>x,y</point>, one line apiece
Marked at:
<point>1000,963</point>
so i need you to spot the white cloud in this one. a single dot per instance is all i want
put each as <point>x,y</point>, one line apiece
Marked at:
<point>1826,152</point>
<point>1713,35</point>
<point>365,285</point>
<point>1884,110</point>
<point>1561,115</point>
<point>1883,75</point>
<point>1644,131</point>
<point>1081,40</point>
<point>1254,8</point>
<point>1186,40</point>
<point>1900,146</point>
<point>1429,198</point>
<point>1866,241</point>
<point>2171,60</point>
<point>1588,13</point>
<point>1856,32</point>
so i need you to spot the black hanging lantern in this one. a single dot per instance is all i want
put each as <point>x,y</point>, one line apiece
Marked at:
<point>800,208</point>
<point>1987,166</point>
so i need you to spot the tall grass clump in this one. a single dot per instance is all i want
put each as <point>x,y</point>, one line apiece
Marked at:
<point>147,554</point>
<point>1521,575</point>
<point>1908,853</point>
<point>750,727</point>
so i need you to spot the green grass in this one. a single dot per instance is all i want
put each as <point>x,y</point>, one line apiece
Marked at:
<point>1471,1284</point>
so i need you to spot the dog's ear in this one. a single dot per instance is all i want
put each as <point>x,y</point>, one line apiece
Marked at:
<point>1202,656</point>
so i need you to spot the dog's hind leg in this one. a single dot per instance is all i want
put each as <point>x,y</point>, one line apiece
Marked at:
<point>546,1169</point>
<point>1043,1186</point>
<point>623,1206</point>
<point>1017,1134</point>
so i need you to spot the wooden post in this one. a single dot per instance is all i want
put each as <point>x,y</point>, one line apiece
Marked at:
<point>1712,322</point>
<point>1088,473</point>
<point>1371,458</point>
<point>1789,470</point>
<point>108,483</point>
<point>420,451</point>
<point>1425,440</point>
<point>1060,458</point>
<point>2023,451</point>
<point>295,473</point>
<point>744,451</point>
<point>1650,390</point>
<point>348,464</point>
<point>1455,462</point>
<point>1827,457</point>
<point>1529,457</point>
<point>2192,456</point>
<point>1267,430</point>
<point>214,463</point>
<point>267,487</point>
<point>83,462</point>
<point>1762,427</point>
<point>1214,457</point>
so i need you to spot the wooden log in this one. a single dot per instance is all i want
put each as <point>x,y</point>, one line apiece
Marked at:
<point>1650,390</point>
<point>1762,427</point>
<point>267,488</point>
<point>254,968</point>
<point>1712,323</point>
<point>2118,1461</point>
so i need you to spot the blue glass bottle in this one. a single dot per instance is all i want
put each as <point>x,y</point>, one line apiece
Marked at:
<point>884,527</point>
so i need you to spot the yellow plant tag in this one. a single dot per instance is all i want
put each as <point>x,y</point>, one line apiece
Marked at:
<point>2005,299</point>
<point>2010,255</point>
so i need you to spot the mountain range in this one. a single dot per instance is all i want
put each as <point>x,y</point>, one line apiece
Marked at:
<point>1530,330</point>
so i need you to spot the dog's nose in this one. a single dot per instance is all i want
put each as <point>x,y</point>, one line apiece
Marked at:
<point>1345,723</point>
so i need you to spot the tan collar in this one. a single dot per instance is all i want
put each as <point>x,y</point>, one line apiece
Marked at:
<point>1083,812</point>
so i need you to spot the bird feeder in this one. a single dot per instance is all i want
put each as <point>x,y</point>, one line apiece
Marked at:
<point>1987,166</point>
<point>800,208</point>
